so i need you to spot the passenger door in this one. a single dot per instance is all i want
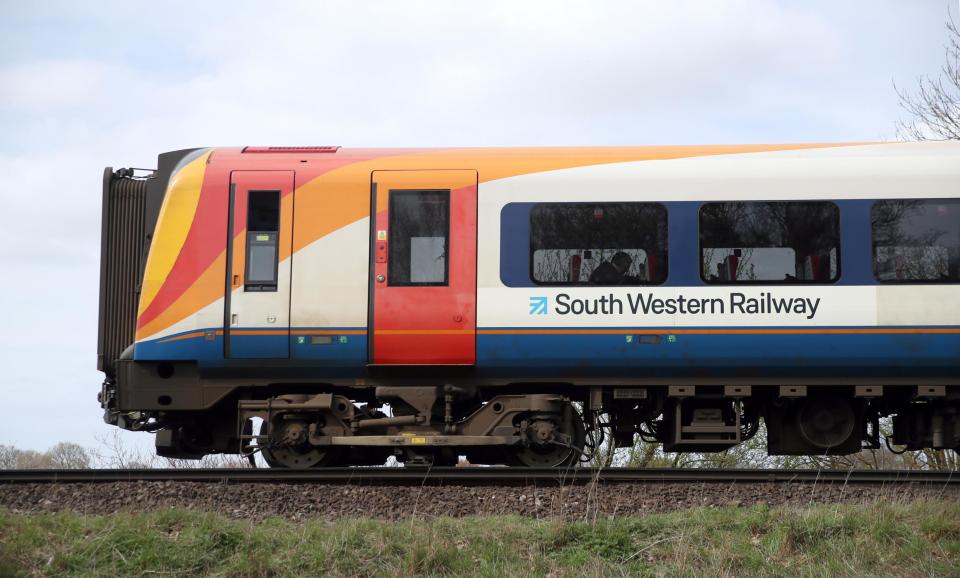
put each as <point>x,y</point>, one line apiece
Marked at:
<point>257,296</point>
<point>423,267</point>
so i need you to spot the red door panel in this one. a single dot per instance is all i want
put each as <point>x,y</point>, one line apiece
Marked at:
<point>424,268</point>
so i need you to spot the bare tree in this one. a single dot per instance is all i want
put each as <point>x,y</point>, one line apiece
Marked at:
<point>114,454</point>
<point>935,106</point>
<point>68,455</point>
<point>8,457</point>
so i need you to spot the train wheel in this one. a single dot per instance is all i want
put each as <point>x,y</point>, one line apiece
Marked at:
<point>826,421</point>
<point>552,440</point>
<point>289,448</point>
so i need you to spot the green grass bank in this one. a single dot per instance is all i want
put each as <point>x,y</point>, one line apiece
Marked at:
<point>884,539</point>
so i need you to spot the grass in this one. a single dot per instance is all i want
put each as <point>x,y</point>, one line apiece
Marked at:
<point>888,539</point>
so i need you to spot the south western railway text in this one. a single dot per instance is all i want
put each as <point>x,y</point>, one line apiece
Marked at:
<point>647,304</point>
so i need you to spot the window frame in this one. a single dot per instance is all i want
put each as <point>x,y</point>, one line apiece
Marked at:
<point>666,246</point>
<point>838,223</point>
<point>393,194</point>
<point>873,245</point>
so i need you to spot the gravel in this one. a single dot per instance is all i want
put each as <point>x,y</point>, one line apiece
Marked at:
<point>392,502</point>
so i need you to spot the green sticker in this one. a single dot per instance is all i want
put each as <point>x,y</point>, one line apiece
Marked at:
<point>301,339</point>
<point>671,338</point>
<point>343,339</point>
<point>629,338</point>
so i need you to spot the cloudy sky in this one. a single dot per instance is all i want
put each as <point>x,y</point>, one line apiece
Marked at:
<point>84,85</point>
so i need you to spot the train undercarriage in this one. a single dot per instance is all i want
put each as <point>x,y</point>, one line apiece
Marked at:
<point>540,424</point>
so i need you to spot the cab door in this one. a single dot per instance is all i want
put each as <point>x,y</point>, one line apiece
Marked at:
<point>424,267</point>
<point>257,296</point>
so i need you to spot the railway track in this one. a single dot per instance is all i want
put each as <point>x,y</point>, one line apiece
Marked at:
<point>480,476</point>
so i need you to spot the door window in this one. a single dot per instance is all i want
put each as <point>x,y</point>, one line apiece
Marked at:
<point>263,228</point>
<point>419,238</point>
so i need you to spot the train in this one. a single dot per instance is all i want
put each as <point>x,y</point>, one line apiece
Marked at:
<point>329,306</point>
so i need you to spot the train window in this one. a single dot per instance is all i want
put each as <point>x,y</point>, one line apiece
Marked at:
<point>916,241</point>
<point>598,244</point>
<point>770,242</point>
<point>263,229</point>
<point>419,238</point>
<point>263,211</point>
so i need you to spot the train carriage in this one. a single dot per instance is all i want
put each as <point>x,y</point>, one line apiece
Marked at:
<point>517,305</point>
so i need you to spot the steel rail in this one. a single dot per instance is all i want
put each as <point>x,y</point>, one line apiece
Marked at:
<point>480,476</point>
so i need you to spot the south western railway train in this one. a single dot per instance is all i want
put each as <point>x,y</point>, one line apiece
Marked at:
<point>328,306</point>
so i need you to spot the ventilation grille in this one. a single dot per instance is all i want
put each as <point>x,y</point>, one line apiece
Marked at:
<point>122,250</point>
<point>297,150</point>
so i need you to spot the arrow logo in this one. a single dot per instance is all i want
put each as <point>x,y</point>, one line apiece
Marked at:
<point>538,306</point>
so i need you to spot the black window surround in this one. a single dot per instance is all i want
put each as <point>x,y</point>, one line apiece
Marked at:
<point>598,244</point>
<point>262,242</point>
<point>769,243</point>
<point>915,241</point>
<point>419,238</point>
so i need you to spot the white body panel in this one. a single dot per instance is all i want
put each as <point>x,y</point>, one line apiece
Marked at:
<point>330,279</point>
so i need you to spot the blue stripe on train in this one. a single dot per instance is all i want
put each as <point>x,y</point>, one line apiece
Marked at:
<point>623,354</point>
<point>700,354</point>
<point>335,350</point>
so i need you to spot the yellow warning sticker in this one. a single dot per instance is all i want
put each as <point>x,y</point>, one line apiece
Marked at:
<point>263,237</point>
<point>418,440</point>
<point>381,235</point>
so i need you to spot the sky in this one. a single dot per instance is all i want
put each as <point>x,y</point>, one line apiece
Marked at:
<point>84,85</point>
